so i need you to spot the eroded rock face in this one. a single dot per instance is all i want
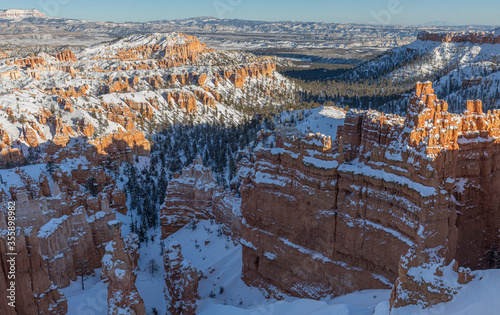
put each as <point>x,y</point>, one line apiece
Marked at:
<point>66,56</point>
<point>428,283</point>
<point>195,195</point>
<point>324,217</point>
<point>59,226</point>
<point>35,292</point>
<point>122,145</point>
<point>118,264</point>
<point>181,280</point>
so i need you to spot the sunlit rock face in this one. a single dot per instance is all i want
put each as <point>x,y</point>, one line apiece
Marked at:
<point>324,218</point>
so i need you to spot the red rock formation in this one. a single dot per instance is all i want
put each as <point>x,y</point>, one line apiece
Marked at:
<point>66,56</point>
<point>60,226</point>
<point>68,69</point>
<point>184,99</point>
<point>35,292</point>
<point>63,131</point>
<point>238,75</point>
<point>66,103</point>
<point>30,136</point>
<point>32,62</point>
<point>70,91</point>
<point>4,138</point>
<point>13,74</point>
<point>117,269</point>
<point>206,98</point>
<point>181,281</point>
<point>424,284</point>
<point>326,218</point>
<point>86,127</point>
<point>43,115</point>
<point>120,85</point>
<point>120,114</point>
<point>145,109</point>
<point>195,195</point>
<point>122,145</point>
<point>13,156</point>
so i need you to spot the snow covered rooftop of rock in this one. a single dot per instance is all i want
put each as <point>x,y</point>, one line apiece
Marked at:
<point>324,120</point>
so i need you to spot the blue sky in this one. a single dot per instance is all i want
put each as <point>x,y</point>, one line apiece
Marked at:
<point>342,11</point>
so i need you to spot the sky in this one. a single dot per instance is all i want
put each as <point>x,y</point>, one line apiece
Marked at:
<point>459,12</point>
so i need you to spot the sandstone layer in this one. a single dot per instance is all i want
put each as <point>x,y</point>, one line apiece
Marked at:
<point>324,217</point>
<point>60,228</point>
<point>194,195</point>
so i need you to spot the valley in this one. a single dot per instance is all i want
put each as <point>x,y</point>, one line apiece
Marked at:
<point>225,166</point>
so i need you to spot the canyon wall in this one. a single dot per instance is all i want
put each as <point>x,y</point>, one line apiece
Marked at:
<point>60,228</point>
<point>324,218</point>
<point>194,195</point>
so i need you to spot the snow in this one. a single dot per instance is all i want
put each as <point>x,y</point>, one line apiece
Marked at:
<point>120,273</point>
<point>266,178</point>
<point>308,160</point>
<point>151,287</point>
<point>49,228</point>
<point>480,296</point>
<point>323,120</point>
<point>460,185</point>
<point>357,167</point>
<point>221,261</point>
<point>92,300</point>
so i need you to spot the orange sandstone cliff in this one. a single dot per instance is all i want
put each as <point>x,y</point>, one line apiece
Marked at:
<point>324,218</point>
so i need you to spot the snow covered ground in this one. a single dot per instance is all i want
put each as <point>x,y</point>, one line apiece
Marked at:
<point>324,120</point>
<point>92,300</point>
<point>220,261</point>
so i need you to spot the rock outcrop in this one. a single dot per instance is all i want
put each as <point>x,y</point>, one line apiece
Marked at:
<point>122,145</point>
<point>427,283</point>
<point>35,292</point>
<point>181,281</point>
<point>324,217</point>
<point>117,269</point>
<point>66,56</point>
<point>18,13</point>
<point>60,226</point>
<point>195,195</point>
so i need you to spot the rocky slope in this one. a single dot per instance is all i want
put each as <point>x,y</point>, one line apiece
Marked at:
<point>324,217</point>
<point>60,229</point>
<point>119,264</point>
<point>70,119</point>
<point>181,281</point>
<point>109,95</point>
<point>462,66</point>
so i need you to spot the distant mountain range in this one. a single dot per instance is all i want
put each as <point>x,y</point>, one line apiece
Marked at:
<point>18,13</point>
<point>313,41</point>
